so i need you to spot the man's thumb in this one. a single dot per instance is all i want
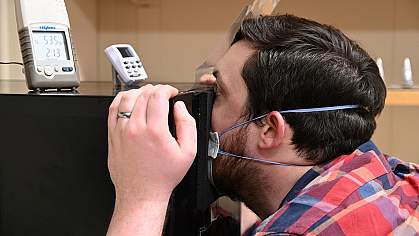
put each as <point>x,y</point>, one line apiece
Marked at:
<point>185,129</point>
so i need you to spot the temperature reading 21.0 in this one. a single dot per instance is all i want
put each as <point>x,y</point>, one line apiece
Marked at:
<point>50,46</point>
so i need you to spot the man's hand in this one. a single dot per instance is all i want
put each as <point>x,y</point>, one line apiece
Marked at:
<point>145,161</point>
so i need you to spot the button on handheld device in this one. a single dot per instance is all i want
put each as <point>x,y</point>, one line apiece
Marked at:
<point>127,67</point>
<point>47,50</point>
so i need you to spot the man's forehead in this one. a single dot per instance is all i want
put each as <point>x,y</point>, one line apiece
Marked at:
<point>240,50</point>
<point>231,64</point>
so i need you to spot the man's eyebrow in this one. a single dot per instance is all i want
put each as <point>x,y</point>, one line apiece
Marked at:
<point>219,81</point>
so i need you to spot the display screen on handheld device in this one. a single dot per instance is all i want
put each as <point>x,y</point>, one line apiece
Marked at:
<point>50,45</point>
<point>125,52</point>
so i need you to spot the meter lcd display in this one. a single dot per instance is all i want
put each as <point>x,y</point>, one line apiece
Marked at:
<point>50,45</point>
<point>125,52</point>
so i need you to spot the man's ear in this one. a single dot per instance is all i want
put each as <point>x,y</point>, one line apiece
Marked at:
<point>272,133</point>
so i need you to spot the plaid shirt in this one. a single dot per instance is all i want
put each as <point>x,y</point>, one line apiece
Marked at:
<point>364,193</point>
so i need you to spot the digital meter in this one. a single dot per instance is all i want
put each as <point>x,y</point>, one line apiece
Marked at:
<point>126,64</point>
<point>47,51</point>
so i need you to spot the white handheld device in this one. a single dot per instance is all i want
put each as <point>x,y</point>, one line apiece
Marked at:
<point>127,66</point>
<point>47,50</point>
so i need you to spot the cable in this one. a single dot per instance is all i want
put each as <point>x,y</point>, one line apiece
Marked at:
<point>11,63</point>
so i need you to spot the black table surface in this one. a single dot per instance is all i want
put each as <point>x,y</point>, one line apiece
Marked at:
<point>101,89</point>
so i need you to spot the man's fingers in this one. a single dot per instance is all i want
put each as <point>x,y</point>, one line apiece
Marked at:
<point>139,111</point>
<point>158,106</point>
<point>128,100</point>
<point>185,129</point>
<point>113,113</point>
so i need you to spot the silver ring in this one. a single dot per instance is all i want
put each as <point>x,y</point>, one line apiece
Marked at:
<point>126,115</point>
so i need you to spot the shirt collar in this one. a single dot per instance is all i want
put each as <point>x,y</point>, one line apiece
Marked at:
<point>316,171</point>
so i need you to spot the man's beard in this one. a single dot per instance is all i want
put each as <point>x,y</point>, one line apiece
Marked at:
<point>237,178</point>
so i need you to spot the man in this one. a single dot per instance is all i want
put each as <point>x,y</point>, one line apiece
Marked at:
<point>304,98</point>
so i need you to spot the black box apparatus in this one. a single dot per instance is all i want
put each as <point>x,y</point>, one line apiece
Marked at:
<point>54,178</point>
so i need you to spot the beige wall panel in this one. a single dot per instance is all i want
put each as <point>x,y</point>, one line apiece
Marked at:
<point>406,37</point>
<point>405,131</point>
<point>181,63</point>
<point>402,127</point>
<point>397,132</point>
<point>117,24</point>
<point>9,42</point>
<point>199,15</point>
<point>83,20</point>
<point>383,135</point>
<point>370,23</point>
<point>172,37</point>
<point>82,14</point>
<point>354,14</point>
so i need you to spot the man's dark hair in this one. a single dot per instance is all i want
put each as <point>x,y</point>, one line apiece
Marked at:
<point>300,63</point>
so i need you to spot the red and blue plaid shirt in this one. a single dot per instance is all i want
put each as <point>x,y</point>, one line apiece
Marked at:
<point>365,193</point>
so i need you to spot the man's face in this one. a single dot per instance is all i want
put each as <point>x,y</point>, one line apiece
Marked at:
<point>229,104</point>
<point>233,177</point>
